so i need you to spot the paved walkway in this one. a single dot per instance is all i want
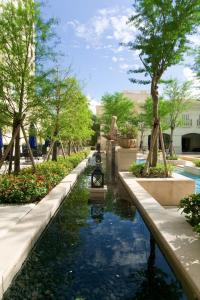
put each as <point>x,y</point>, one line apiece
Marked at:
<point>10,215</point>
<point>23,164</point>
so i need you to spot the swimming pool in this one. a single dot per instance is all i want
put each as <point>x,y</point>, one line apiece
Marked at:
<point>96,250</point>
<point>194,177</point>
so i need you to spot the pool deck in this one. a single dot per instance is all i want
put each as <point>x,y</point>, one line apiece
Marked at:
<point>175,236</point>
<point>21,226</point>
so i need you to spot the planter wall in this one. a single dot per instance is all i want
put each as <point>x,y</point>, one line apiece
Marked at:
<point>168,191</point>
<point>192,169</point>
<point>124,158</point>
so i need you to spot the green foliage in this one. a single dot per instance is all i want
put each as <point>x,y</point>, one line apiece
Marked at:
<point>129,131</point>
<point>174,157</point>
<point>154,172</point>
<point>197,163</point>
<point>163,31</point>
<point>120,106</point>
<point>163,112</point>
<point>27,187</point>
<point>178,96</point>
<point>191,209</point>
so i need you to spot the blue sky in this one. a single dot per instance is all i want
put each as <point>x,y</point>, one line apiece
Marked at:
<point>90,33</point>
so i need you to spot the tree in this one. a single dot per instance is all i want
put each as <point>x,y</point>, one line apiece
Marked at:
<point>163,110</point>
<point>23,37</point>
<point>178,98</point>
<point>196,66</point>
<point>162,40</point>
<point>117,105</point>
<point>76,120</point>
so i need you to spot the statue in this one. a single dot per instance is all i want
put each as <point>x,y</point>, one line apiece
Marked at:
<point>113,129</point>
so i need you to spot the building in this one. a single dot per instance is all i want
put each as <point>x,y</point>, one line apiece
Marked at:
<point>186,136</point>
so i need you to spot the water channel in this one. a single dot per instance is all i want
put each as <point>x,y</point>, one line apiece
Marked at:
<point>95,250</point>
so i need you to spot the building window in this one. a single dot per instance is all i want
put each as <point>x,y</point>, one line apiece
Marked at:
<point>186,121</point>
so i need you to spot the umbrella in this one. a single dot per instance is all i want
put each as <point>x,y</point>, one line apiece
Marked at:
<point>1,139</point>
<point>32,137</point>
<point>47,142</point>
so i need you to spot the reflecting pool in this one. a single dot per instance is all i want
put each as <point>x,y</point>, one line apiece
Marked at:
<point>96,250</point>
<point>194,177</point>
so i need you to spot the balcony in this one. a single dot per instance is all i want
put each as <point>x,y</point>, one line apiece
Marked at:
<point>187,123</point>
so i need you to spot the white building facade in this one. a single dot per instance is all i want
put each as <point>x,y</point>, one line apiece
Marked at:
<point>186,135</point>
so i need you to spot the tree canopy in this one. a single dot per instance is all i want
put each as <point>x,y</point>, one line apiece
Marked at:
<point>162,39</point>
<point>120,106</point>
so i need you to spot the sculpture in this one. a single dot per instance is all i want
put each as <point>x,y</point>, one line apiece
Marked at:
<point>113,129</point>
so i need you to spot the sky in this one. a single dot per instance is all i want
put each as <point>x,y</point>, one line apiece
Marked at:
<point>90,33</point>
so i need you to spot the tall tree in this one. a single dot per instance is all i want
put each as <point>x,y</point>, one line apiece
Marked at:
<point>23,37</point>
<point>117,105</point>
<point>76,119</point>
<point>163,27</point>
<point>178,98</point>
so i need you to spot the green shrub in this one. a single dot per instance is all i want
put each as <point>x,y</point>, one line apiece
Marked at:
<point>27,187</point>
<point>154,172</point>
<point>191,209</point>
<point>197,163</point>
<point>174,157</point>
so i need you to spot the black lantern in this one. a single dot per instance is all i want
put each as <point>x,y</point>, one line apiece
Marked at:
<point>98,157</point>
<point>97,179</point>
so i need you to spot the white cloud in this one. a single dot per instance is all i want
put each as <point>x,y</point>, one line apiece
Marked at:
<point>117,59</point>
<point>125,66</point>
<point>190,75</point>
<point>93,103</point>
<point>108,24</point>
<point>114,58</point>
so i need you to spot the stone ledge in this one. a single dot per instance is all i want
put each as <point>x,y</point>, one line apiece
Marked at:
<point>192,170</point>
<point>18,242</point>
<point>175,236</point>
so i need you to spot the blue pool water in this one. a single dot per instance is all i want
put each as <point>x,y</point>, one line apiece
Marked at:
<point>194,177</point>
<point>96,250</point>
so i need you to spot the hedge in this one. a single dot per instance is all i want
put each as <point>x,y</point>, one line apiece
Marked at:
<point>28,187</point>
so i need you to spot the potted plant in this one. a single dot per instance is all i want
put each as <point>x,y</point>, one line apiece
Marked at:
<point>128,136</point>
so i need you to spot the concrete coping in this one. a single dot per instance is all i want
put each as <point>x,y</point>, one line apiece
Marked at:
<point>174,235</point>
<point>19,240</point>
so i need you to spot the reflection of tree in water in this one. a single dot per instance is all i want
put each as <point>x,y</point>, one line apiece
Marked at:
<point>121,207</point>
<point>153,283</point>
<point>47,272</point>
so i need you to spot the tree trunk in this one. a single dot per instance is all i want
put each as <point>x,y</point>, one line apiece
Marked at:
<point>154,94</point>
<point>171,146</point>
<point>17,145</point>
<point>69,148</point>
<point>55,151</point>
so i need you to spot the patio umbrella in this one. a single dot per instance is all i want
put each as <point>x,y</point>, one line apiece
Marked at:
<point>1,139</point>
<point>47,142</point>
<point>32,137</point>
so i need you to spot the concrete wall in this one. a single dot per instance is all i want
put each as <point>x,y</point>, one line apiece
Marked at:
<point>168,191</point>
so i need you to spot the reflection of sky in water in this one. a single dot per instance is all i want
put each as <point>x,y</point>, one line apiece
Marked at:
<point>80,256</point>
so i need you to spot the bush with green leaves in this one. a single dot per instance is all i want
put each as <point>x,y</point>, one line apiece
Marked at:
<point>174,157</point>
<point>154,172</point>
<point>191,209</point>
<point>197,163</point>
<point>27,187</point>
<point>129,131</point>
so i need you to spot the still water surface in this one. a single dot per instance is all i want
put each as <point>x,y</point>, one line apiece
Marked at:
<point>93,251</point>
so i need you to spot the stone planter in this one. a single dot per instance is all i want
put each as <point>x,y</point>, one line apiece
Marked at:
<point>124,157</point>
<point>127,143</point>
<point>192,170</point>
<point>167,191</point>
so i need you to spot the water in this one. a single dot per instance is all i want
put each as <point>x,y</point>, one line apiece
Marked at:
<point>96,251</point>
<point>194,177</point>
